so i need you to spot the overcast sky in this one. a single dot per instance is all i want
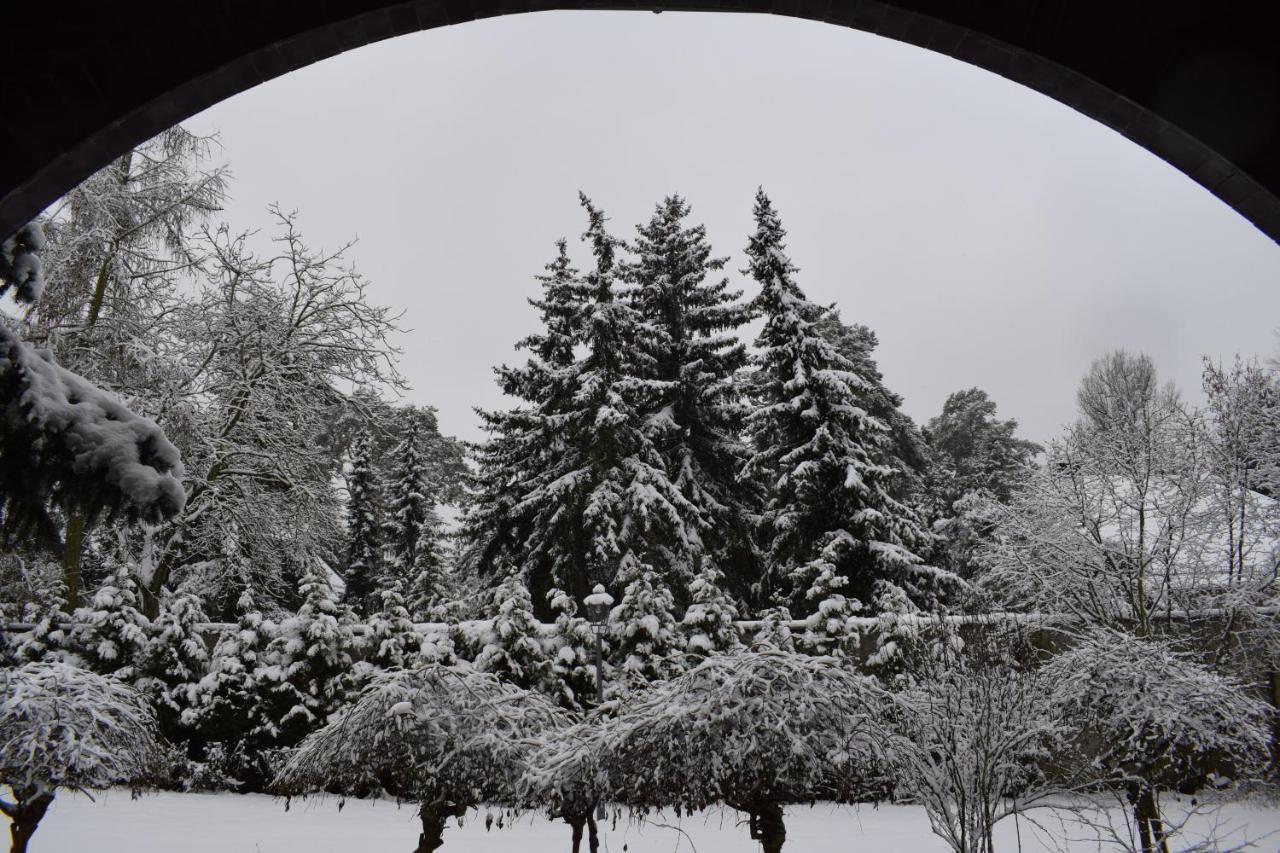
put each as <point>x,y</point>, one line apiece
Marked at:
<point>990,235</point>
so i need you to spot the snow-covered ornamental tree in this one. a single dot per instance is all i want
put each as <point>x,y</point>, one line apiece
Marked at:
<point>1146,717</point>
<point>65,727</point>
<point>969,738</point>
<point>446,738</point>
<point>756,731</point>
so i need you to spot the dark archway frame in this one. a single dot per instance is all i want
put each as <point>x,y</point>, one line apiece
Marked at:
<point>1195,83</point>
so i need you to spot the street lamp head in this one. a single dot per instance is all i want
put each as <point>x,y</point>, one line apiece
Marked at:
<point>598,604</point>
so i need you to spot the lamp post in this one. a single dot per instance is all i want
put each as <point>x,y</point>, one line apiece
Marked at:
<point>598,604</point>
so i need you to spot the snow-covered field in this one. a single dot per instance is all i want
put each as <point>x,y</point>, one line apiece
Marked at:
<point>231,823</point>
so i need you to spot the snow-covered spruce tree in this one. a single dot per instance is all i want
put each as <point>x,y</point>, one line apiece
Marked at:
<point>708,622</point>
<point>755,730</point>
<point>445,738</point>
<point>364,534</point>
<point>51,631</point>
<point>969,737</point>
<point>512,648</point>
<point>111,634</point>
<point>902,447</point>
<point>62,727</point>
<point>520,453</point>
<point>831,528</point>
<point>574,662</point>
<point>646,639</point>
<point>228,711</point>
<point>692,353</point>
<point>774,631</point>
<point>391,639</point>
<point>174,662</point>
<point>411,530</point>
<point>306,670</point>
<point>1147,718</point>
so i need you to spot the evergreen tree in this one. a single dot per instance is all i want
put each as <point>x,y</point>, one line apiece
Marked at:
<point>708,623</point>
<point>513,649</point>
<point>364,540</point>
<point>307,666</point>
<point>111,633</point>
<point>774,631</point>
<point>175,660</point>
<point>523,445</point>
<point>692,356</point>
<point>902,446</point>
<point>227,710</point>
<point>411,514</point>
<point>574,664</point>
<point>392,640</point>
<point>832,530</point>
<point>48,638</point>
<point>646,639</point>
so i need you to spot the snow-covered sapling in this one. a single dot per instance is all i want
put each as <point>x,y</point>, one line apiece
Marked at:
<point>1147,717</point>
<point>65,727</point>
<point>968,736</point>
<point>563,778</point>
<point>755,730</point>
<point>445,738</point>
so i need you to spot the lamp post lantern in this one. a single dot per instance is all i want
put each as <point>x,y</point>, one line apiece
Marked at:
<point>598,604</point>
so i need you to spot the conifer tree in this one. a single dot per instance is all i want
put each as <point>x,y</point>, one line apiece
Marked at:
<point>645,636</point>
<point>364,540</point>
<point>175,660</point>
<point>832,530</point>
<point>111,633</point>
<point>774,631</point>
<point>391,639</point>
<point>521,450</point>
<point>513,649</point>
<point>692,355</point>
<point>708,622</point>
<point>228,709</point>
<point>574,662</point>
<point>307,672</point>
<point>411,514</point>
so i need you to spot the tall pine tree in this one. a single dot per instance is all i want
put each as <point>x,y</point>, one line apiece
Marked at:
<point>832,528</point>
<point>524,443</point>
<point>364,534</point>
<point>692,355</point>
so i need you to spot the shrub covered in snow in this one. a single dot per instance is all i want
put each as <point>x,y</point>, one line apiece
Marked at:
<point>111,633</point>
<point>1147,717</point>
<point>708,622</point>
<point>446,738</point>
<point>643,627</point>
<point>755,730</point>
<point>65,727</point>
<point>969,737</point>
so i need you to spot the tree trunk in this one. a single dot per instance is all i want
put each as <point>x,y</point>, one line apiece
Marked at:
<point>576,823</point>
<point>433,817</point>
<point>767,826</point>
<point>1146,811</point>
<point>593,834</point>
<point>72,548</point>
<point>24,817</point>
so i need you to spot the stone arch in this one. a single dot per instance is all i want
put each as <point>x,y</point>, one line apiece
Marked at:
<point>1196,83</point>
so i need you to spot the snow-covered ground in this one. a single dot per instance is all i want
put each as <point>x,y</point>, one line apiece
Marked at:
<point>231,823</point>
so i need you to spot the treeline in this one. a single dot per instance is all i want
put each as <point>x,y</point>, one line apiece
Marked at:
<point>651,445</point>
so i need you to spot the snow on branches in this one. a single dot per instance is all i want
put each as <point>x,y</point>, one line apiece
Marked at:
<point>66,727</point>
<point>446,738</point>
<point>68,442</point>
<point>755,730</point>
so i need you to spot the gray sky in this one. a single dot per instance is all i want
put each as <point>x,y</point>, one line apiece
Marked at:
<point>990,235</point>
